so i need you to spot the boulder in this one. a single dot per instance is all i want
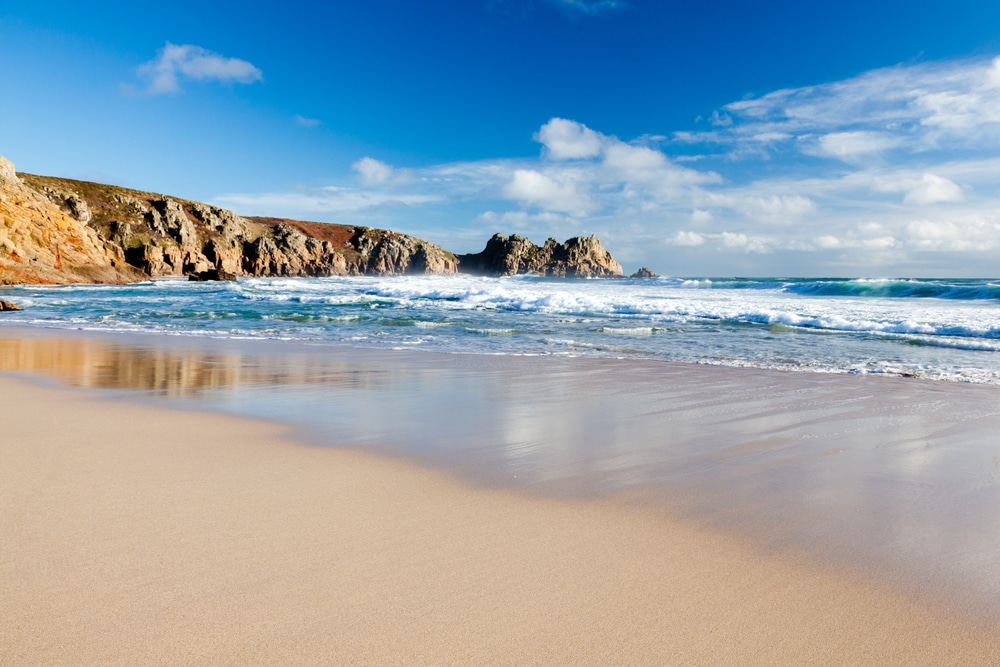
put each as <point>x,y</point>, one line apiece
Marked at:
<point>8,306</point>
<point>644,273</point>
<point>212,275</point>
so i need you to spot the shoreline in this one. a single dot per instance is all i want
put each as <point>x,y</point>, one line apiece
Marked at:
<point>566,576</point>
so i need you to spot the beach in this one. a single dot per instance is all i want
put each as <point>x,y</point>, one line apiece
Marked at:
<point>140,532</point>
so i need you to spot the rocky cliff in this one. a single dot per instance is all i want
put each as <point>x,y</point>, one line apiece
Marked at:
<point>61,230</point>
<point>578,257</point>
<point>41,242</point>
<point>57,230</point>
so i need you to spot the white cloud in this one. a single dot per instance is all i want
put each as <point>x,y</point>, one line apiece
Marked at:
<point>371,171</point>
<point>853,146</point>
<point>688,238</point>
<point>174,62</point>
<point>532,187</point>
<point>952,236</point>
<point>566,140</point>
<point>781,208</point>
<point>928,189</point>
<point>913,107</point>
<point>321,201</point>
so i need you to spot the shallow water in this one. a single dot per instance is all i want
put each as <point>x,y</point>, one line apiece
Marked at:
<point>897,477</point>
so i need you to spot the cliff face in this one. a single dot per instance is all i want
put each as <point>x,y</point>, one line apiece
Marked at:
<point>41,242</point>
<point>578,257</point>
<point>59,230</point>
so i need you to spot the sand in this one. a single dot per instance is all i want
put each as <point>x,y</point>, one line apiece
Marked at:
<point>133,534</point>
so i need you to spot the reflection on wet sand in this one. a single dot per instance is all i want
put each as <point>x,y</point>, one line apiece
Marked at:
<point>890,475</point>
<point>177,371</point>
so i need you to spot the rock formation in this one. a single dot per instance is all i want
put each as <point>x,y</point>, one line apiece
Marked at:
<point>57,230</point>
<point>644,273</point>
<point>578,257</point>
<point>7,306</point>
<point>48,238</point>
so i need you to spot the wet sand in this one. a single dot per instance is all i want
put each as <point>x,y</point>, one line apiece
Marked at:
<point>138,534</point>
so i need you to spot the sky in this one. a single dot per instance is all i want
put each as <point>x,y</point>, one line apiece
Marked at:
<point>698,139</point>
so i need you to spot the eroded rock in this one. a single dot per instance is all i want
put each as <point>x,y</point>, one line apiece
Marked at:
<point>579,257</point>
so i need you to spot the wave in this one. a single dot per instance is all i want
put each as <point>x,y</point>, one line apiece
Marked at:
<point>886,288</point>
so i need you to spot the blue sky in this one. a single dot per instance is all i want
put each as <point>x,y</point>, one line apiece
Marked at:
<point>767,138</point>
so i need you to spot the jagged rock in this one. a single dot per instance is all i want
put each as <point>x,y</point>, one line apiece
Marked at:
<point>225,254</point>
<point>221,220</point>
<point>78,208</point>
<point>644,273</point>
<point>8,306</point>
<point>168,219</point>
<point>7,172</point>
<point>580,257</point>
<point>212,275</point>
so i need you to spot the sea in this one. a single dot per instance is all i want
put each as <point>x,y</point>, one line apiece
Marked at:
<point>937,329</point>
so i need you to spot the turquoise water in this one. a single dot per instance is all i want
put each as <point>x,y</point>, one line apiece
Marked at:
<point>936,329</point>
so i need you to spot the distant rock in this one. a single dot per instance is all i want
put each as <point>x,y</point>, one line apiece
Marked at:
<point>8,306</point>
<point>644,273</point>
<point>212,275</point>
<point>578,257</point>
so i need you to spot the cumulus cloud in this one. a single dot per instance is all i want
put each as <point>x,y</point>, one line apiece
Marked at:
<point>554,194</point>
<point>688,238</point>
<point>371,171</point>
<point>566,140</point>
<point>925,190</point>
<point>178,61</point>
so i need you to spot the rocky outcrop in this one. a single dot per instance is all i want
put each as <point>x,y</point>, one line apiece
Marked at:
<point>128,235</point>
<point>578,257</point>
<point>644,273</point>
<point>48,238</point>
<point>8,306</point>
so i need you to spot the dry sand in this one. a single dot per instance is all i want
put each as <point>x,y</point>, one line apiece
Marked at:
<point>134,535</point>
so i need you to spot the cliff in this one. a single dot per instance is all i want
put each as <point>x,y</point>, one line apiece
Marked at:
<point>57,230</point>
<point>578,257</point>
<point>41,242</point>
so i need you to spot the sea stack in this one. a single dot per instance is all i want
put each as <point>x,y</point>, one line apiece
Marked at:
<point>578,257</point>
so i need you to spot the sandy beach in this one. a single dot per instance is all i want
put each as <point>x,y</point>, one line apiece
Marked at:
<point>138,534</point>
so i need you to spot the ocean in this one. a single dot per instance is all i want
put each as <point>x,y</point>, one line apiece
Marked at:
<point>935,329</point>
